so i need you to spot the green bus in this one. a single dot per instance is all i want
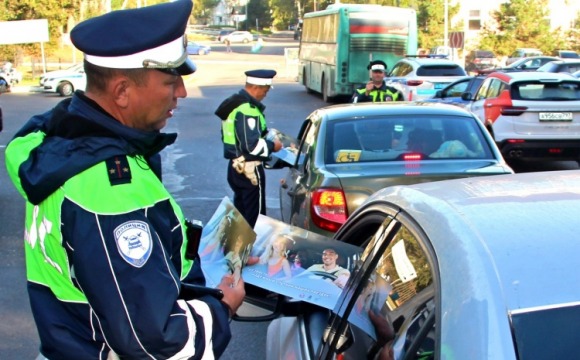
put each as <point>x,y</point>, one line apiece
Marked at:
<point>338,43</point>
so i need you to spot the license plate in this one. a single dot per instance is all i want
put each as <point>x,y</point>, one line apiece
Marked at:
<point>555,116</point>
<point>439,86</point>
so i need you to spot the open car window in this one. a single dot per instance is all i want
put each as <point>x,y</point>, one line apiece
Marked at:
<point>393,309</point>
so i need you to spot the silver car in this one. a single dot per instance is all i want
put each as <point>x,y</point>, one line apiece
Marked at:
<point>530,114</point>
<point>420,77</point>
<point>479,268</point>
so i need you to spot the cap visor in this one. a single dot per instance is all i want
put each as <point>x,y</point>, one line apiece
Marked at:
<point>187,68</point>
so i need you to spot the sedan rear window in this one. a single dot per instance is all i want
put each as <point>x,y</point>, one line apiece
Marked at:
<point>401,139</point>
<point>484,54</point>
<point>441,70</point>
<point>537,91</point>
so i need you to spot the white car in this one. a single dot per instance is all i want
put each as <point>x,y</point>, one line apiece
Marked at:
<point>64,82</point>
<point>531,115</point>
<point>420,77</point>
<point>239,37</point>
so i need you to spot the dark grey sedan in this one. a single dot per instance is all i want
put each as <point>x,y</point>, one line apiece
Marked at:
<point>348,152</point>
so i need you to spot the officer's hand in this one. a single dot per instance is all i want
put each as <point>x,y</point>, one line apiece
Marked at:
<point>233,293</point>
<point>370,86</point>
<point>277,145</point>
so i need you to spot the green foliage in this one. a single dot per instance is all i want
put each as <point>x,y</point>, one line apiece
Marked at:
<point>284,13</point>
<point>260,10</point>
<point>202,10</point>
<point>519,24</point>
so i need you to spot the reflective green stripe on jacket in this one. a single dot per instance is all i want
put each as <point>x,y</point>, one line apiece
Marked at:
<point>379,95</point>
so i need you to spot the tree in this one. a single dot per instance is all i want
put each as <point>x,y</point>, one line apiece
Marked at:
<point>57,13</point>
<point>517,24</point>
<point>284,13</point>
<point>201,10</point>
<point>258,10</point>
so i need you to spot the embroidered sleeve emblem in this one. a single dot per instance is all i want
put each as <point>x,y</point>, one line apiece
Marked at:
<point>134,242</point>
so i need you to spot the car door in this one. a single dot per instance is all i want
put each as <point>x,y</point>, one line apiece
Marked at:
<point>389,306</point>
<point>476,106</point>
<point>292,189</point>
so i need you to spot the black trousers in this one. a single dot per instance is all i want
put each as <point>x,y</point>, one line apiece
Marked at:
<point>250,200</point>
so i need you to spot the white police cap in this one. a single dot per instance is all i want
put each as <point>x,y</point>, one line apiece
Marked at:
<point>260,77</point>
<point>149,37</point>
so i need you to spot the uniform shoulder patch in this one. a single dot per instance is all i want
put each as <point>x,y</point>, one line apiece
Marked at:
<point>251,123</point>
<point>134,242</point>
<point>118,170</point>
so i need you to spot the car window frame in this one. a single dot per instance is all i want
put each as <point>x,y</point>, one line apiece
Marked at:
<point>374,252</point>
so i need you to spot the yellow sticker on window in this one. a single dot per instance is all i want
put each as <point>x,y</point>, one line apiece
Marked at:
<point>348,156</point>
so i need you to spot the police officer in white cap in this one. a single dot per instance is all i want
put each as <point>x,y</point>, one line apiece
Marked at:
<point>376,90</point>
<point>244,131</point>
<point>105,241</point>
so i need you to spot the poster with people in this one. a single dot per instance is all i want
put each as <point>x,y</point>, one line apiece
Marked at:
<point>226,241</point>
<point>300,264</point>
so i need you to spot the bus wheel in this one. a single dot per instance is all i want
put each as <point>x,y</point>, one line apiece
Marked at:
<point>324,90</point>
<point>305,83</point>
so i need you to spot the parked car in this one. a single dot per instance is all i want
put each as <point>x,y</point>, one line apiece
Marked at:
<point>451,94</point>
<point>64,82</point>
<point>531,63</point>
<point>1,118</point>
<point>566,54</point>
<point>466,269</point>
<point>523,53</point>
<point>531,115</point>
<point>239,37</point>
<point>421,76</point>
<point>561,66</point>
<point>13,76</point>
<point>224,32</point>
<point>347,152</point>
<point>576,74</point>
<point>194,48</point>
<point>477,60</point>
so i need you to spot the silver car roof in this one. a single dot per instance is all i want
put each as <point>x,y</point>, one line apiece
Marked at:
<point>516,235</point>
<point>504,244</point>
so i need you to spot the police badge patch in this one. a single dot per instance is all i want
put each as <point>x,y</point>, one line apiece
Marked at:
<point>134,242</point>
<point>251,123</point>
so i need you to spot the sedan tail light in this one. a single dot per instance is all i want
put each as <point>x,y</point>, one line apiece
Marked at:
<point>328,209</point>
<point>414,82</point>
<point>513,110</point>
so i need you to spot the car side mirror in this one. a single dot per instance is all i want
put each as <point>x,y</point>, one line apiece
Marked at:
<point>439,94</point>
<point>466,96</point>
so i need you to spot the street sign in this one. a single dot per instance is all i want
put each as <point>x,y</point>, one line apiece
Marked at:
<point>456,39</point>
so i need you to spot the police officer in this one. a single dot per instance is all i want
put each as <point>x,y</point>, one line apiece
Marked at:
<point>376,90</point>
<point>244,133</point>
<point>105,242</point>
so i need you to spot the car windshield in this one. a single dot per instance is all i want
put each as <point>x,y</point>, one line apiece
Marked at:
<point>405,138</point>
<point>441,70</point>
<point>531,330</point>
<point>538,91</point>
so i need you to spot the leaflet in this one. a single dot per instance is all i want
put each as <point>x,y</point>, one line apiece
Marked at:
<point>287,260</point>
<point>289,149</point>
